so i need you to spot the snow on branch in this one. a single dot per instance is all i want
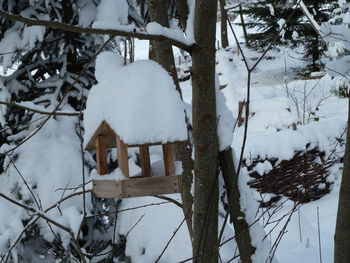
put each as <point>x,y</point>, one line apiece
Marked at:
<point>123,31</point>
<point>36,110</point>
<point>309,17</point>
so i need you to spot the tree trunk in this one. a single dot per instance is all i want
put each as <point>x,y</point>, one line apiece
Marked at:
<point>342,230</point>
<point>245,34</point>
<point>315,41</point>
<point>163,54</point>
<point>162,50</point>
<point>224,38</point>
<point>67,16</point>
<point>244,243</point>
<point>205,239</point>
<point>182,12</point>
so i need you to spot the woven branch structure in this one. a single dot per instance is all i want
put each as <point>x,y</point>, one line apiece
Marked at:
<point>302,178</point>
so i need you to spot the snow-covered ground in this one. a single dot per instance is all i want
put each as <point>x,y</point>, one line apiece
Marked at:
<point>279,99</point>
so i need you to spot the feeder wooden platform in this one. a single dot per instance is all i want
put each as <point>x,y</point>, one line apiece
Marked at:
<point>137,187</point>
<point>145,185</point>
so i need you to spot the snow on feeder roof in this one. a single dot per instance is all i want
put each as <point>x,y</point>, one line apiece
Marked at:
<point>138,101</point>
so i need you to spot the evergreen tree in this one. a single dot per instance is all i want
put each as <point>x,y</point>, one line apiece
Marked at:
<point>48,69</point>
<point>267,17</point>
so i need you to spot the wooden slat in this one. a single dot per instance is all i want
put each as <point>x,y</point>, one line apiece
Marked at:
<point>169,160</point>
<point>137,187</point>
<point>105,130</point>
<point>154,143</point>
<point>123,157</point>
<point>107,189</point>
<point>145,161</point>
<point>241,113</point>
<point>101,155</point>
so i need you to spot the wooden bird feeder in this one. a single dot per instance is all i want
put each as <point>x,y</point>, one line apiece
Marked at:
<point>105,138</point>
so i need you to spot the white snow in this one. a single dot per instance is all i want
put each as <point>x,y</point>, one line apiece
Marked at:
<point>139,101</point>
<point>114,12</point>
<point>225,119</point>
<point>141,104</point>
<point>87,13</point>
<point>4,96</point>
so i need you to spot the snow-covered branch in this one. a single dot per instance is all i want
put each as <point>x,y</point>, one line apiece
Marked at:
<point>55,113</point>
<point>122,31</point>
<point>309,17</point>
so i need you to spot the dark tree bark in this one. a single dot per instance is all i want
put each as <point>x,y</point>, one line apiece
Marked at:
<point>182,12</point>
<point>163,54</point>
<point>244,244</point>
<point>224,38</point>
<point>162,51</point>
<point>205,235</point>
<point>70,36</point>
<point>315,41</point>
<point>342,230</point>
<point>245,34</point>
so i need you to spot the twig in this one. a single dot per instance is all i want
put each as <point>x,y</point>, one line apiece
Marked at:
<point>138,221</point>
<point>319,235</point>
<point>6,258</point>
<point>61,101</point>
<point>25,182</point>
<point>170,200</point>
<point>55,113</point>
<point>127,209</point>
<point>282,232</point>
<point>171,238</point>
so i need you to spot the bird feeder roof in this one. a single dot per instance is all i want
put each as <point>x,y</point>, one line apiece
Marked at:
<point>138,102</point>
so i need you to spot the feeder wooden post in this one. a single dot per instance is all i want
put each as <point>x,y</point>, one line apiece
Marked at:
<point>101,155</point>
<point>123,162</point>
<point>241,113</point>
<point>169,160</point>
<point>145,161</point>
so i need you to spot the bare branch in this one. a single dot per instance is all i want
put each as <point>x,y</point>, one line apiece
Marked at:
<point>170,200</point>
<point>55,113</point>
<point>169,241</point>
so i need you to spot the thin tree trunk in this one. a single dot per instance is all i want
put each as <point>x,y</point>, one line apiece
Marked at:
<point>244,243</point>
<point>163,54</point>
<point>162,50</point>
<point>67,16</point>
<point>342,230</point>
<point>315,41</point>
<point>224,38</point>
<point>205,239</point>
<point>245,34</point>
<point>182,12</point>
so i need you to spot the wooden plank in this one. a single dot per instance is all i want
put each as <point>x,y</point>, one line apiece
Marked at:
<point>145,161</point>
<point>153,143</point>
<point>105,130</point>
<point>137,187</point>
<point>169,160</point>
<point>152,186</point>
<point>107,189</point>
<point>241,113</point>
<point>101,155</point>
<point>123,158</point>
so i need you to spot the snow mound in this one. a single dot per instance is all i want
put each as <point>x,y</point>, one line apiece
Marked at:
<point>139,101</point>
